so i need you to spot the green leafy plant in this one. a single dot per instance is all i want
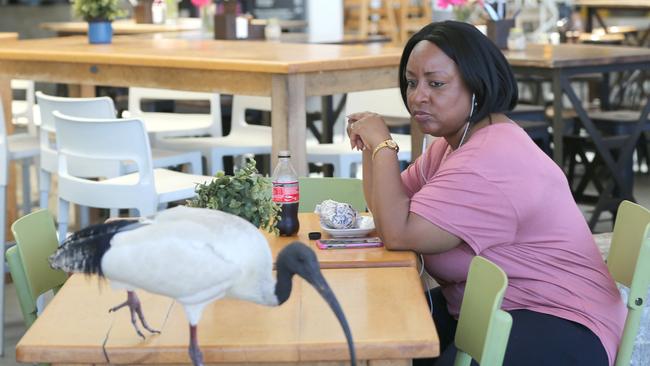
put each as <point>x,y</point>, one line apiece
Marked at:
<point>97,10</point>
<point>247,194</point>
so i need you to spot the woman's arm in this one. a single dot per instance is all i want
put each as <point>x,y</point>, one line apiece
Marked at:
<point>397,226</point>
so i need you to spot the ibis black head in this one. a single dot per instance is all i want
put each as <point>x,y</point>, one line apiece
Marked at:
<point>297,258</point>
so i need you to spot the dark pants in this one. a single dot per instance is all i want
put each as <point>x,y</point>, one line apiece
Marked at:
<point>535,339</point>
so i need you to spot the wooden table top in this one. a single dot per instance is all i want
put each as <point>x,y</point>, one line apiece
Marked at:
<point>341,258</point>
<point>575,55</point>
<point>385,307</point>
<point>613,3</point>
<point>126,26</point>
<point>245,56</point>
<point>4,36</point>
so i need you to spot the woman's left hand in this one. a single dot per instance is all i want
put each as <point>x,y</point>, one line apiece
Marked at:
<point>367,130</point>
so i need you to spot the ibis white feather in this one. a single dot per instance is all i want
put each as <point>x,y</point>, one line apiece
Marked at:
<point>195,256</point>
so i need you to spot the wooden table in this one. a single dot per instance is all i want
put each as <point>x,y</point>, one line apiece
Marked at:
<point>385,307</point>
<point>129,26</point>
<point>341,258</point>
<point>286,72</point>
<point>593,6</point>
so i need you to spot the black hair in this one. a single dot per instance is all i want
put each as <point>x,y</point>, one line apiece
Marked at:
<point>482,66</point>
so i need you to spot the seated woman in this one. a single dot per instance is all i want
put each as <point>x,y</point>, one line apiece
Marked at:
<point>484,188</point>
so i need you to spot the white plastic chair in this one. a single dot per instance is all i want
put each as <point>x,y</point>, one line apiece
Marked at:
<point>175,124</point>
<point>109,140</point>
<point>242,139</point>
<point>16,147</point>
<point>387,103</point>
<point>101,107</point>
<point>25,112</point>
<point>23,147</point>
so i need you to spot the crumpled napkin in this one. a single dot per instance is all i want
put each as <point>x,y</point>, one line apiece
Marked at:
<point>337,215</point>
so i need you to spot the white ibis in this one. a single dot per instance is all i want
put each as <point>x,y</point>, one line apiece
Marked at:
<point>195,256</point>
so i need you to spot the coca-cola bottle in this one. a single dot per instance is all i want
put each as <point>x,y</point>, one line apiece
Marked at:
<point>286,193</point>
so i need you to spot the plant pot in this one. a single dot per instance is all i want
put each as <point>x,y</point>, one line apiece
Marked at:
<point>100,32</point>
<point>498,31</point>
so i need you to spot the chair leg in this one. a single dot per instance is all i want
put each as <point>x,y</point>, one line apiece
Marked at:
<point>215,164</point>
<point>196,165</point>
<point>3,238</point>
<point>64,207</point>
<point>27,192</point>
<point>114,212</point>
<point>84,216</point>
<point>44,183</point>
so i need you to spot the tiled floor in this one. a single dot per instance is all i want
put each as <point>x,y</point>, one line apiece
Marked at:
<point>14,327</point>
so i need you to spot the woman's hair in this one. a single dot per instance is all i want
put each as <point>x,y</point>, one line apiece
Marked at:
<point>483,67</point>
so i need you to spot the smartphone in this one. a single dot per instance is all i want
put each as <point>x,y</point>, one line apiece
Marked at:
<point>368,242</point>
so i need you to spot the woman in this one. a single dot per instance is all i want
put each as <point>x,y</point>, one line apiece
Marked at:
<point>484,188</point>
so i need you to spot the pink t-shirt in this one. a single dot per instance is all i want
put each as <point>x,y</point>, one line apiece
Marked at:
<point>510,203</point>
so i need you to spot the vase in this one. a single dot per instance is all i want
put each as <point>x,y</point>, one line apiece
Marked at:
<point>100,32</point>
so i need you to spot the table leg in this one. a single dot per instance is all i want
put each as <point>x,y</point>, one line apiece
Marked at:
<point>416,140</point>
<point>289,126</point>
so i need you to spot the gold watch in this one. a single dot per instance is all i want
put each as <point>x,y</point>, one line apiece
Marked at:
<point>391,144</point>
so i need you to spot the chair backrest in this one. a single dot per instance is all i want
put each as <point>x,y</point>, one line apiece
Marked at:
<point>104,140</point>
<point>386,102</point>
<point>138,94</point>
<point>241,103</point>
<point>31,273</point>
<point>101,107</point>
<point>315,190</point>
<point>483,328</point>
<point>628,259</point>
<point>28,87</point>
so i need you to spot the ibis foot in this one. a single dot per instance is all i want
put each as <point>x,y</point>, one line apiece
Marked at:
<point>135,307</point>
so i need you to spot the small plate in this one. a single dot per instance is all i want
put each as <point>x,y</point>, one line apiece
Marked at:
<point>366,225</point>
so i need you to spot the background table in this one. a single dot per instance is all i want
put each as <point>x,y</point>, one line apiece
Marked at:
<point>385,307</point>
<point>288,73</point>
<point>121,27</point>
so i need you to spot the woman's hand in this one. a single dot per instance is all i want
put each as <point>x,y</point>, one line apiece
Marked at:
<point>366,130</point>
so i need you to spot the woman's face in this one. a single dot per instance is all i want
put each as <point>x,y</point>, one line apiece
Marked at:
<point>436,94</point>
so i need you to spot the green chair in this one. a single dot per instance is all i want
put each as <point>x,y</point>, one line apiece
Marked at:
<point>483,328</point>
<point>317,190</point>
<point>628,262</point>
<point>31,273</point>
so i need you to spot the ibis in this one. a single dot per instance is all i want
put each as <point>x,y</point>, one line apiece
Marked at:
<point>195,256</point>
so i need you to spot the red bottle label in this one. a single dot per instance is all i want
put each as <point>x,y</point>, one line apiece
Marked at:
<point>287,192</point>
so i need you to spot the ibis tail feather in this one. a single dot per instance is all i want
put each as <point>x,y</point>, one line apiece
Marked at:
<point>83,250</point>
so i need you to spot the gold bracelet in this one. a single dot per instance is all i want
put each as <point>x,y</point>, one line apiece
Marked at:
<point>391,144</point>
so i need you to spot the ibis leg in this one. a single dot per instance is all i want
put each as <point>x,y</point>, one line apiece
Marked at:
<point>195,352</point>
<point>135,307</point>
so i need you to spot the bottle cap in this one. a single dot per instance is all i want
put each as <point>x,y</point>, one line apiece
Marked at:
<point>284,154</point>
<point>314,235</point>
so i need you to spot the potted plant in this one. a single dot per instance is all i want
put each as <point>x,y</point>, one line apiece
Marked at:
<point>99,14</point>
<point>247,194</point>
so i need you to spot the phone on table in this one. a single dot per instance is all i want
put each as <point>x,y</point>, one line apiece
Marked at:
<point>342,243</point>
